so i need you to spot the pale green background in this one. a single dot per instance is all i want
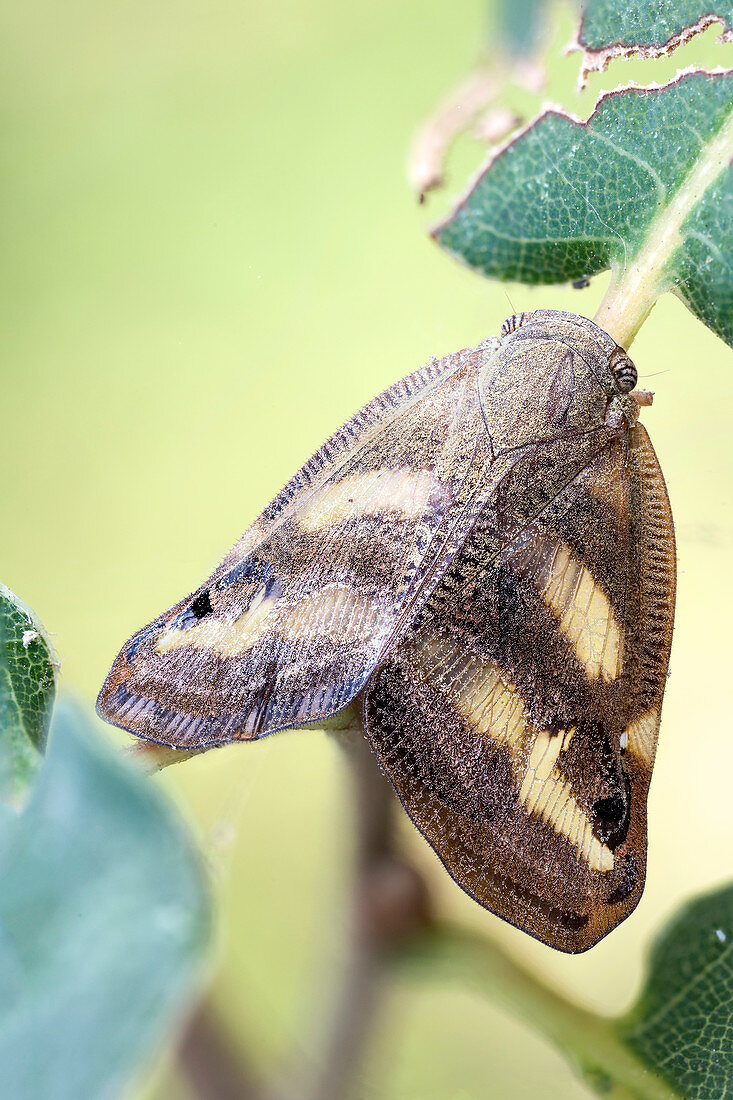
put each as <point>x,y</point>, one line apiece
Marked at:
<point>210,258</point>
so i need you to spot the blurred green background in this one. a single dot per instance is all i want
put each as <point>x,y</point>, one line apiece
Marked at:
<point>210,259</point>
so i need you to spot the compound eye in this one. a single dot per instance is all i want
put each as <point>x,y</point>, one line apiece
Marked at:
<point>624,373</point>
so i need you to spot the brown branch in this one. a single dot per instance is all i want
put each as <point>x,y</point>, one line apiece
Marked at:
<point>214,1069</point>
<point>388,904</point>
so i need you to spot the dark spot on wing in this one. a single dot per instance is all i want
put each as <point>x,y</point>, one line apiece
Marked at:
<point>627,878</point>
<point>198,609</point>
<point>201,606</point>
<point>610,809</point>
<point>613,814</point>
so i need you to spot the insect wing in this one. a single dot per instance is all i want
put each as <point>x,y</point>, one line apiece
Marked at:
<point>518,717</point>
<point>291,624</point>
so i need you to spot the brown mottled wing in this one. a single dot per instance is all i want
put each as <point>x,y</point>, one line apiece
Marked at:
<point>518,717</point>
<point>291,624</point>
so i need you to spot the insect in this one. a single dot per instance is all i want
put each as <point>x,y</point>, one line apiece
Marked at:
<point>484,556</point>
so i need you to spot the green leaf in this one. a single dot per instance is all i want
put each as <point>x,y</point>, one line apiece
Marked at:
<point>27,688</point>
<point>643,187</point>
<point>103,921</point>
<point>682,1025</point>
<point>610,28</point>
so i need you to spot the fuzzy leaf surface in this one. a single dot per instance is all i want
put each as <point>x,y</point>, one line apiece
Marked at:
<point>27,689</point>
<point>644,184</point>
<point>646,23</point>
<point>103,922</point>
<point>682,1024</point>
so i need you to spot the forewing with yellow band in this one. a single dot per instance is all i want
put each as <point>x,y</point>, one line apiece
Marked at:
<point>518,718</point>
<point>291,624</point>
<point>485,554</point>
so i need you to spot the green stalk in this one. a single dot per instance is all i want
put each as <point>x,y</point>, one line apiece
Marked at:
<point>590,1042</point>
<point>635,288</point>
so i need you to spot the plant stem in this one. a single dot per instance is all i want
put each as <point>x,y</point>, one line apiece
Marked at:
<point>213,1067</point>
<point>627,304</point>
<point>589,1042</point>
<point>388,904</point>
<point>635,289</point>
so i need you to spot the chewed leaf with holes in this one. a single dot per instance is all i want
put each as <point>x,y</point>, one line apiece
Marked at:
<point>682,1025</point>
<point>643,187</point>
<point>27,688</point>
<point>609,29</point>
